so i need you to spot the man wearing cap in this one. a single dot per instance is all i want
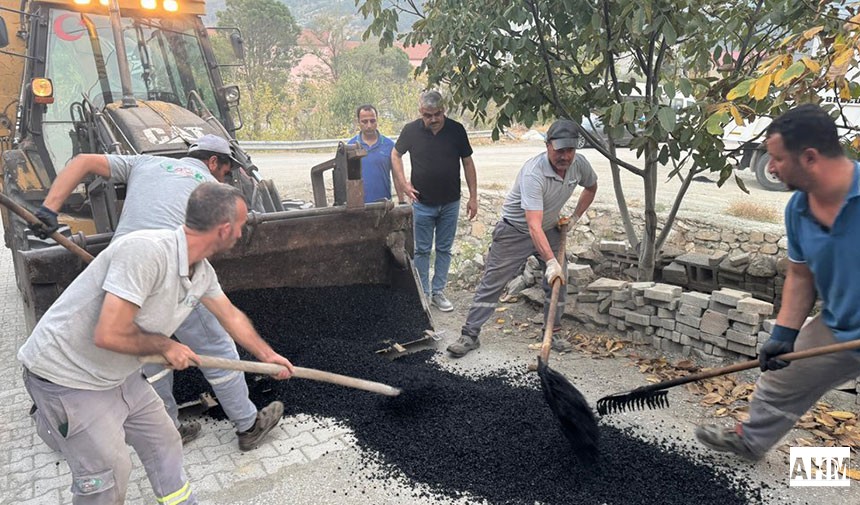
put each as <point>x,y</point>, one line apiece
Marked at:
<point>528,226</point>
<point>158,189</point>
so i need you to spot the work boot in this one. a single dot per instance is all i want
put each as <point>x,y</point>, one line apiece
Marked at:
<point>267,418</point>
<point>441,302</point>
<point>463,345</point>
<point>725,440</point>
<point>189,431</point>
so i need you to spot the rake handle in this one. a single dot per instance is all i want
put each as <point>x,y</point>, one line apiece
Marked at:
<point>273,369</point>
<point>746,365</point>
<point>553,299</point>
<point>58,237</point>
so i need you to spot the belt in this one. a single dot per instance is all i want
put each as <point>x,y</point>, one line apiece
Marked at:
<point>511,225</point>
<point>36,376</point>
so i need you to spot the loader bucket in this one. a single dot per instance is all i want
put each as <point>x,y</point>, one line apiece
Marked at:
<point>313,248</point>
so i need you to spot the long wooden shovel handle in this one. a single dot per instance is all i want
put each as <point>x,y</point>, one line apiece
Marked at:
<point>28,216</point>
<point>553,300</point>
<point>746,365</point>
<point>273,369</point>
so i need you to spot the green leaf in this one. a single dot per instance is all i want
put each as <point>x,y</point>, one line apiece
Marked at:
<point>741,184</point>
<point>686,87</point>
<point>714,124</point>
<point>614,114</point>
<point>666,115</point>
<point>669,34</point>
<point>742,89</point>
<point>791,72</point>
<point>629,112</point>
<point>663,157</point>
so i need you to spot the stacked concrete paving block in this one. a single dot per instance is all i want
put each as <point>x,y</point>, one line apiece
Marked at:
<point>578,278</point>
<point>725,323</point>
<point>664,298</point>
<point>598,300</point>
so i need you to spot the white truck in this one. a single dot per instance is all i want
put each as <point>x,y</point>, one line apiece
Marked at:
<point>746,142</point>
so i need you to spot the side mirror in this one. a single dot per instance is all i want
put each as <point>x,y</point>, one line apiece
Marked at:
<point>238,45</point>
<point>4,34</point>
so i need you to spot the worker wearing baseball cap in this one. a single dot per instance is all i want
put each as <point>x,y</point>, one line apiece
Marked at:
<point>158,189</point>
<point>528,226</point>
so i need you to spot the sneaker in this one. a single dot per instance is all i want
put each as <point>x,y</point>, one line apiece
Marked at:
<point>463,345</point>
<point>189,431</point>
<point>725,440</point>
<point>267,418</point>
<point>441,302</point>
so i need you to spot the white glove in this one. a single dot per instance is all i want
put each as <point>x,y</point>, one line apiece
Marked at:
<point>553,272</point>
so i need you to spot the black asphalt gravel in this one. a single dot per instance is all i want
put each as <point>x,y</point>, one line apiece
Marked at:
<point>493,438</point>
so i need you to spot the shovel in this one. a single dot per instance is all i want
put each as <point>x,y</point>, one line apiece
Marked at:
<point>273,369</point>
<point>28,216</point>
<point>575,416</point>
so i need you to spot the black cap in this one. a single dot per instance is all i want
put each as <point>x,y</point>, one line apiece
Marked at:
<point>563,134</point>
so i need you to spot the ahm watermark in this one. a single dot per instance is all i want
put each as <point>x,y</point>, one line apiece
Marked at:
<point>819,466</point>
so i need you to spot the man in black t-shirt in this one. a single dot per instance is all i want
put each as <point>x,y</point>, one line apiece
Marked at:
<point>436,146</point>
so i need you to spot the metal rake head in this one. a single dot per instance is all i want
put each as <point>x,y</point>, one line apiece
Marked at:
<point>632,400</point>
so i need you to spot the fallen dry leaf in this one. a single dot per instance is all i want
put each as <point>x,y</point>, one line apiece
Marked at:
<point>841,415</point>
<point>501,309</point>
<point>851,473</point>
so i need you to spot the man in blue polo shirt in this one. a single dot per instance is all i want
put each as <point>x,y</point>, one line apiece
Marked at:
<point>822,222</point>
<point>376,166</point>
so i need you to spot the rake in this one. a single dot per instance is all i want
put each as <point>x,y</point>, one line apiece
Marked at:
<point>655,396</point>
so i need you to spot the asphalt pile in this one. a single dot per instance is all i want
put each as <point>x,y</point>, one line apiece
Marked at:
<point>493,437</point>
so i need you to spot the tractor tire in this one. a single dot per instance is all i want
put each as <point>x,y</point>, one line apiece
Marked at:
<point>765,179</point>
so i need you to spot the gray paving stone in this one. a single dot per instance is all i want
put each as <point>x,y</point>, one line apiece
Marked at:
<point>313,452</point>
<point>713,322</point>
<point>728,296</point>
<point>696,298</point>
<point>755,306</point>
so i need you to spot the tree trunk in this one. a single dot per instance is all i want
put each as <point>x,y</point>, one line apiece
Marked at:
<point>647,249</point>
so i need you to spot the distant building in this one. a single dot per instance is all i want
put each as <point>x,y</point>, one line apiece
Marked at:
<point>314,45</point>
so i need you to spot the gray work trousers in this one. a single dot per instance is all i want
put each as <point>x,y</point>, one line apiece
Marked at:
<point>782,396</point>
<point>92,428</point>
<point>202,332</point>
<point>509,250</point>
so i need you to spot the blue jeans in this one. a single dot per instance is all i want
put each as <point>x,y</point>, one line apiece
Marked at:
<point>441,219</point>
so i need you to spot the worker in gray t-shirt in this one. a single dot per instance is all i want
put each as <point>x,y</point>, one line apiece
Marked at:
<point>158,189</point>
<point>528,226</point>
<point>80,363</point>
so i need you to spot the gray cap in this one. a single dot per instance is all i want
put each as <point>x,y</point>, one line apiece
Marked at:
<point>564,134</point>
<point>213,143</point>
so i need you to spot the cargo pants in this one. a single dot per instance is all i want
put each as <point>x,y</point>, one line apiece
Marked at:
<point>782,396</point>
<point>202,332</point>
<point>92,428</point>
<point>509,250</point>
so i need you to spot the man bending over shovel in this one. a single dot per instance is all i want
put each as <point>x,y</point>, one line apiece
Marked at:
<point>528,226</point>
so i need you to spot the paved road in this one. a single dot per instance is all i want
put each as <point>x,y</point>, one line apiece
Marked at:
<point>497,166</point>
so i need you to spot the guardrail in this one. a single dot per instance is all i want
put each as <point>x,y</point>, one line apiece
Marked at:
<point>298,145</point>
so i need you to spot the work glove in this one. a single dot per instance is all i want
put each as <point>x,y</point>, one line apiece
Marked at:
<point>781,341</point>
<point>553,271</point>
<point>47,222</point>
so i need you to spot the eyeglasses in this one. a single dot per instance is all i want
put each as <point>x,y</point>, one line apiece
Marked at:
<point>429,115</point>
